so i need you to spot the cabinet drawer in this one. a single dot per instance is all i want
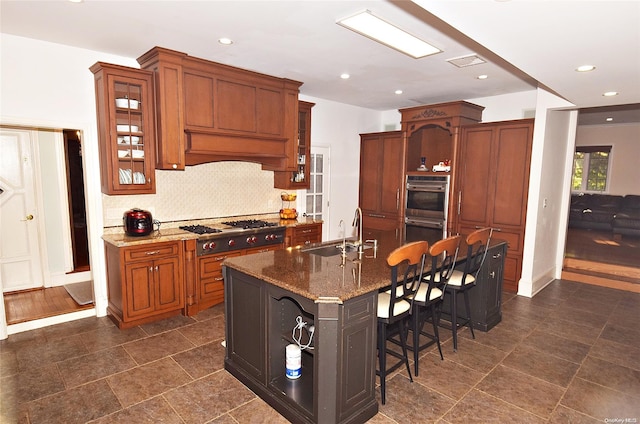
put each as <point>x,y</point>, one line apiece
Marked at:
<point>211,266</point>
<point>152,251</point>
<point>212,287</point>
<point>262,249</point>
<point>306,234</point>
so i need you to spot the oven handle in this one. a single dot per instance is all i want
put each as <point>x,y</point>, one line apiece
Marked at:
<point>427,188</point>
<point>422,223</point>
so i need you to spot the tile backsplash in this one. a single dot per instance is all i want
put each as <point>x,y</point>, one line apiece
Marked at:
<point>211,190</point>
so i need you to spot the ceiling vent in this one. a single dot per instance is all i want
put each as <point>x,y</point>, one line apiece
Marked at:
<point>464,61</point>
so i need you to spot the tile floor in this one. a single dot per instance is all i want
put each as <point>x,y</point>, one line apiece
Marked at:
<point>569,355</point>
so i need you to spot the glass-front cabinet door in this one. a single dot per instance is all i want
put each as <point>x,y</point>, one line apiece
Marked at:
<point>125,129</point>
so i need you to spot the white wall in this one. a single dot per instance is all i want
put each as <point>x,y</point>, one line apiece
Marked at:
<point>339,126</point>
<point>507,107</point>
<point>625,153</point>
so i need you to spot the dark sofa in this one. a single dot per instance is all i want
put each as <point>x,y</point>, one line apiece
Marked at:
<point>627,220</point>
<point>619,214</point>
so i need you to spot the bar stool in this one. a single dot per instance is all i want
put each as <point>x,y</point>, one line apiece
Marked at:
<point>394,306</point>
<point>427,301</point>
<point>463,281</point>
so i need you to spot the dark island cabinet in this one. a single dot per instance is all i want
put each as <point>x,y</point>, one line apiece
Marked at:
<point>337,382</point>
<point>486,297</point>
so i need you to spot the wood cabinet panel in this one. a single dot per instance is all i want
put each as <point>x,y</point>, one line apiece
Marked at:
<point>198,104</point>
<point>474,178</point>
<point>236,107</point>
<point>169,284</point>
<point>139,289</point>
<point>512,163</point>
<point>270,110</point>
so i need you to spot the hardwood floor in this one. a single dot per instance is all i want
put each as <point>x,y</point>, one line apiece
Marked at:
<point>29,305</point>
<point>595,257</point>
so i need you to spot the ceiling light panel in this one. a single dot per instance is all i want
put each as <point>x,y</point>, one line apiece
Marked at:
<point>370,26</point>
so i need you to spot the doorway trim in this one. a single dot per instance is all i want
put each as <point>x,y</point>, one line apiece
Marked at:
<point>95,224</point>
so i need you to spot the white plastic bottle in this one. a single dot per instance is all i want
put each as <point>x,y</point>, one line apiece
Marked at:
<point>293,361</point>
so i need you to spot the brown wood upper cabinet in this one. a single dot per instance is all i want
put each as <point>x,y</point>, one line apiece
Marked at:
<point>208,111</point>
<point>300,150</point>
<point>126,131</point>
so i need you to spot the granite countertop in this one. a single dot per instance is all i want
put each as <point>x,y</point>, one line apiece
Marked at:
<point>170,231</point>
<point>326,278</point>
<point>316,277</point>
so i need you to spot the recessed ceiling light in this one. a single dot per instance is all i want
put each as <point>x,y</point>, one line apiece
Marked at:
<point>610,93</point>
<point>482,76</point>
<point>226,41</point>
<point>366,24</point>
<point>609,119</point>
<point>585,68</point>
<point>398,91</point>
<point>345,76</point>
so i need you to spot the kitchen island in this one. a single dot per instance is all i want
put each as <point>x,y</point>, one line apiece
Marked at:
<point>264,296</point>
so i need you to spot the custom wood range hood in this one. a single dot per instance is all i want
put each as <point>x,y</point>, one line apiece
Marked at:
<point>207,111</point>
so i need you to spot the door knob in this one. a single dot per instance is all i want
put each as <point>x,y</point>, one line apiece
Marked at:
<point>28,218</point>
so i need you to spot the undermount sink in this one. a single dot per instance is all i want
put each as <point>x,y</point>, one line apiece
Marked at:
<point>332,250</point>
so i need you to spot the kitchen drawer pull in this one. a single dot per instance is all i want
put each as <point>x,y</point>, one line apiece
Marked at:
<point>377,215</point>
<point>220,258</point>
<point>307,231</point>
<point>218,279</point>
<point>154,252</point>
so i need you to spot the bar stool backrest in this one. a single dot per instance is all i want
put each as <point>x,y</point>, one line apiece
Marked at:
<point>413,254</point>
<point>444,254</point>
<point>477,243</point>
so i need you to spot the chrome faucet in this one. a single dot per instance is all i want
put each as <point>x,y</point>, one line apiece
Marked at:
<point>357,222</point>
<point>341,226</point>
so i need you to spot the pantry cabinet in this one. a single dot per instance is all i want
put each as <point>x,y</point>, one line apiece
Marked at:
<point>145,282</point>
<point>493,184</point>
<point>382,158</point>
<point>126,132</point>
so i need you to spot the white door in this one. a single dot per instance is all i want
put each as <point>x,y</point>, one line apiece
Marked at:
<point>317,199</point>
<point>20,263</point>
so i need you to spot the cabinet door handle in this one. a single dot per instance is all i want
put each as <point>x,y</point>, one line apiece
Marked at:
<point>492,274</point>
<point>398,199</point>
<point>459,202</point>
<point>156,268</point>
<point>307,242</point>
<point>307,231</point>
<point>154,252</point>
<point>497,255</point>
<point>218,279</point>
<point>150,269</point>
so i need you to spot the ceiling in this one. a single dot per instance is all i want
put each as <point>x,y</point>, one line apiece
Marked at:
<point>525,43</point>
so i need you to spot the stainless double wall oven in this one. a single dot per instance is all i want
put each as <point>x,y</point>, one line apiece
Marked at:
<point>427,204</point>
